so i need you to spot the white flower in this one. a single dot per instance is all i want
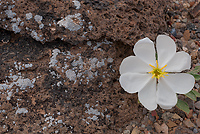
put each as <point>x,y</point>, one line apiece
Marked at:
<point>156,82</point>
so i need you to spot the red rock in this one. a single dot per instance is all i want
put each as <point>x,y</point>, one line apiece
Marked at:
<point>195,11</point>
<point>186,35</point>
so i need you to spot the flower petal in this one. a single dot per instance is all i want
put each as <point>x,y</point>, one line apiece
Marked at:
<point>133,64</point>
<point>166,49</point>
<point>181,61</point>
<point>166,98</point>
<point>145,50</point>
<point>147,96</point>
<point>180,83</point>
<point>133,82</point>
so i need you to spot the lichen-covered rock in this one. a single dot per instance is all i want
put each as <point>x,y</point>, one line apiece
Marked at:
<point>79,20</point>
<point>60,88</point>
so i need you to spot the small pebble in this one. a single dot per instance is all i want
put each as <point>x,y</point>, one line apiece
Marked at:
<point>179,35</point>
<point>135,131</point>
<point>143,125</point>
<point>157,127</point>
<point>171,124</point>
<point>186,35</point>
<point>198,122</point>
<point>185,49</point>
<point>188,123</point>
<point>184,20</point>
<point>192,3</point>
<point>196,20</point>
<point>173,32</point>
<point>194,54</point>
<point>144,111</point>
<point>179,25</point>
<point>196,85</point>
<point>126,132</point>
<point>129,127</point>
<point>195,130</point>
<point>164,128</point>
<point>198,35</point>
<point>186,5</point>
<point>152,118</point>
<point>176,116</point>
<point>197,104</point>
<point>193,45</point>
<point>149,127</point>
<point>192,36</point>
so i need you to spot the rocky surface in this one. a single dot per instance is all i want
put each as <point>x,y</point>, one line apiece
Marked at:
<point>61,88</point>
<point>75,21</point>
<point>60,60</point>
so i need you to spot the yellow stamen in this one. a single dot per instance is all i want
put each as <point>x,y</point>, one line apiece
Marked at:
<point>163,67</point>
<point>158,72</point>
<point>152,66</point>
<point>153,75</point>
<point>150,71</point>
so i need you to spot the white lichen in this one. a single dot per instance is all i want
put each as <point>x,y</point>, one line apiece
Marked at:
<point>37,37</point>
<point>93,111</point>
<point>10,14</point>
<point>71,75</point>
<point>71,22</point>
<point>89,43</point>
<point>29,16</point>
<point>53,60</point>
<point>15,25</point>
<point>38,18</point>
<point>77,4</point>
<point>21,110</point>
<point>9,95</point>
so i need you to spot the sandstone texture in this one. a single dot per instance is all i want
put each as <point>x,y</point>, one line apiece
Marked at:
<point>75,21</point>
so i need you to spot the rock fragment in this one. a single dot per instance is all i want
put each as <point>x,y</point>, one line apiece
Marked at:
<point>157,127</point>
<point>135,131</point>
<point>188,123</point>
<point>164,128</point>
<point>186,35</point>
<point>197,104</point>
<point>195,11</point>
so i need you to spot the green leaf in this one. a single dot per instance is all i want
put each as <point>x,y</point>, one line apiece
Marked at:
<point>196,76</point>
<point>182,105</point>
<point>191,95</point>
<point>195,70</point>
<point>197,94</point>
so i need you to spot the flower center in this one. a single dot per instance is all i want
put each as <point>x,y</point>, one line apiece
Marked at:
<point>157,72</point>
